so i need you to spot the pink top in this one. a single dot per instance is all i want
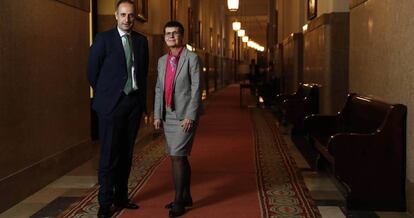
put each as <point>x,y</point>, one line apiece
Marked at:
<point>172,62</point>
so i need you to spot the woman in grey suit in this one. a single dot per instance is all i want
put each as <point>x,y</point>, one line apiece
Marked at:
<point>176,108</point>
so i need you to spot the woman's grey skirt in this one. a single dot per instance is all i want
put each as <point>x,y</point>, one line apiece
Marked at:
<point>179,143</point>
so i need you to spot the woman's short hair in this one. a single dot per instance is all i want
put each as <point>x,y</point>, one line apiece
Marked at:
<point>174,23</point>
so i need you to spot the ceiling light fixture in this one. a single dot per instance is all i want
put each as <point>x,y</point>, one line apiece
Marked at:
<point>233,5</point>
<point>236,25</point>
<point>241,32</point>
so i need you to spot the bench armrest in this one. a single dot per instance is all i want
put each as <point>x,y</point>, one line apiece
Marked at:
<point>283,97</point>
<point>316,124</point>
<point>294,104</point>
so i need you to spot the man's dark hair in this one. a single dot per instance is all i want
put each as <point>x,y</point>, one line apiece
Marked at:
<point>174,23</point>
<point>123,1</point>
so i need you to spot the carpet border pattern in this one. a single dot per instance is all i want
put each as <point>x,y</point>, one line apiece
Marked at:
<point>282,191</point>
<point>145,161</point>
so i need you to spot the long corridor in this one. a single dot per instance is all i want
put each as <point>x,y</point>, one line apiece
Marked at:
<point>244,165</point>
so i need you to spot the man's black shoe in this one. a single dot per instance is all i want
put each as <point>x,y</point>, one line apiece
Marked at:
<point>127,205</point>
<point>104,212</point>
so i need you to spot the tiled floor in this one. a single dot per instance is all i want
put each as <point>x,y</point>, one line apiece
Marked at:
<point>322,189</point>
<point>58,195</point>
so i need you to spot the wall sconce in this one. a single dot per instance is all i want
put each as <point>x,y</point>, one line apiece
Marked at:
<point>245,39</point>
<point>305,28</point>
<point>189,47</point>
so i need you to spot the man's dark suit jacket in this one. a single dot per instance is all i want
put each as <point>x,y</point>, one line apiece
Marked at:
<point>107,71</point>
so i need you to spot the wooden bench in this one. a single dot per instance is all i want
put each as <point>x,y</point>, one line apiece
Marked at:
<point>295,107</point>
<point>365,146</point>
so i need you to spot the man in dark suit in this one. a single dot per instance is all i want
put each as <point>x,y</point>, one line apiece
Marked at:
<point>117,72</point>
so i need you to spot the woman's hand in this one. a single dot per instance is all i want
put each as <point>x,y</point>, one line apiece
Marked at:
<point>186,124</point>
<point>157,124</point>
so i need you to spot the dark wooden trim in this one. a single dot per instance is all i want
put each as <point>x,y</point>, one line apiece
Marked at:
<point>355,3</point>
<point>312,12</point>
<point>326,19</point>
<point>141,8</point>
<point>78,4</point>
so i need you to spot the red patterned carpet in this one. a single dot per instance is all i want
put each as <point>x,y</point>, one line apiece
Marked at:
<point>281,187</point>
<point>223,166</point>
<point>241,168</point>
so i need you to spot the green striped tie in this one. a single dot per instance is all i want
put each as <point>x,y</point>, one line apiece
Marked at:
<point>128,57</point>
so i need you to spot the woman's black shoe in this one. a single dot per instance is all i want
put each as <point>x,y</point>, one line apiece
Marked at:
<point>186,204</point>
<point>176,210</point>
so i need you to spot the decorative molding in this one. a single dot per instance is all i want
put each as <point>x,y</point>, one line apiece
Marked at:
<point>355,3</point>
<point>291,38</point>
<point>319,21</point>
<point>324,19</point>
<point>79,4</point>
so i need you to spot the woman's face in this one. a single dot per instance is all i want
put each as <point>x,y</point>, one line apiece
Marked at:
<point>173,37</point>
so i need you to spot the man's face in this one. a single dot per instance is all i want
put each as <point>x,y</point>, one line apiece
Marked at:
<point>173,37</point>
<point>125,16</point>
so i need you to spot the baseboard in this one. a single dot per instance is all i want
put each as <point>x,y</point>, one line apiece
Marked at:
<point>410,196</point>
<point>24,183</point>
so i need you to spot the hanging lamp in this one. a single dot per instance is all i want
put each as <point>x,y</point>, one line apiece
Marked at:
<point>233,5</point>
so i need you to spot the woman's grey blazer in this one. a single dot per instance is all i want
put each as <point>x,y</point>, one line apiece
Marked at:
<point>186,99</point>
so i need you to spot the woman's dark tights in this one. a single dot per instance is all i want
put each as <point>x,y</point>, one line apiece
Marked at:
<point>181,172</point>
